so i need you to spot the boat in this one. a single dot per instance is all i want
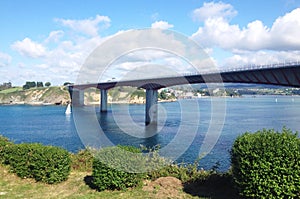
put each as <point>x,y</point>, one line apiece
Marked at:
<point>68,110</point>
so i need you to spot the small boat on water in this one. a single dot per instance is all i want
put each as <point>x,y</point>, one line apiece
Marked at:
<point>68,110</point>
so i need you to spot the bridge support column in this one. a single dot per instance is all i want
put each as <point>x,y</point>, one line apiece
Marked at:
<point>103,102</point>
<point>77,97</point>
<point>151,106</point>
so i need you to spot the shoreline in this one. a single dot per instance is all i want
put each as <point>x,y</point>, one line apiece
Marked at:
<point>135,102</point>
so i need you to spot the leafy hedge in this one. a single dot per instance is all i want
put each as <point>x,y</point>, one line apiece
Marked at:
<point>47,164</point>
<point>266,164</point>
<point>113,168</point>
<point>4,143</point>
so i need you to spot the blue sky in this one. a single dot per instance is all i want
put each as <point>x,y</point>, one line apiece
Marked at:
<point>49,40</point>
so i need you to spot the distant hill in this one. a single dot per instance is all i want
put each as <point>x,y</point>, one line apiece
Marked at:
<point>241,86</point>
<point>60,96</point>
<point>35,96</point>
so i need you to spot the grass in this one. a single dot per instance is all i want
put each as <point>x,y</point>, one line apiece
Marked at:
<point>11,90</point>
<point>196,184</point>
<point>12,186</point>
<point>79,186</point>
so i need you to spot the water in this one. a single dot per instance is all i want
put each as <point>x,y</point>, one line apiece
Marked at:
<point>49,124</point>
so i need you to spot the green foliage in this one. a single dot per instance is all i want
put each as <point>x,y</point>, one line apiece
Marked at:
<point>29,85</point>
<point>4,143</point>
<point>83,160</point>
<point>47,84</point>
<point>266,164</point>
<point>163,95</point>
<point>185,173</point>
<point>11,90</point>
<point>43,163</point>
<point>39,84</point>
<point>139,93</point>
<point>113,168</point>
<point>25,87</point>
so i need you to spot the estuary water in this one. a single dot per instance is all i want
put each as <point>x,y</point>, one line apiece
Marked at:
<point>49,124</point>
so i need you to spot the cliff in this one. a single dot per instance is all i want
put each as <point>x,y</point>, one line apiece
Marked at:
<point>35,96</point>
<point>60,96</point>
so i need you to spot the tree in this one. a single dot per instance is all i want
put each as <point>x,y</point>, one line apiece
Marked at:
<point>163,95</point>
<point>47,84</point>
<point>29,85</point>
<point>67,83</point>
<point>39,84</point>
<point>25,87</point>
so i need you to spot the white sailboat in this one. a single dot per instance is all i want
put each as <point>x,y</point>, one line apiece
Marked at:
<point>68,110</point>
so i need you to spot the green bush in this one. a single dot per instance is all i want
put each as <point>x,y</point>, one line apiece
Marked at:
<point>113,168</point>
<point>43,163</point>
<point>4,143</point>
<point>266,164</point>
<point>183,172</point>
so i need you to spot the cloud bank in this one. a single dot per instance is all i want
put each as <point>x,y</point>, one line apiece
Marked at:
<point>254,44</point>
<point>58,56</point>
<point>217,31</point>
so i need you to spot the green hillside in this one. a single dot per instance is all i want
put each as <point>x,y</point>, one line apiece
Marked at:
<point>41,95</point>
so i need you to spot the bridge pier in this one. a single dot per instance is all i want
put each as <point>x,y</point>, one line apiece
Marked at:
<point>103,102</point>
<point>77,97</point>
<point>151,107</point>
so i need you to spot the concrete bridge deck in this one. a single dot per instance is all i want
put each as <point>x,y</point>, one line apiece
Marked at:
<point>282,74</point>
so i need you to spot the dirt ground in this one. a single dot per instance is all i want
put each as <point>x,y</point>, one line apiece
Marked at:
<point>163,187</point>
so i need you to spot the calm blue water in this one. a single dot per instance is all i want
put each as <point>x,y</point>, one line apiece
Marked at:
<point>49,125</point>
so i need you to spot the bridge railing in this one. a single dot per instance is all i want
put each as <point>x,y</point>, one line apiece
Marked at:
<point>262,66</point>
<point>247,67</point>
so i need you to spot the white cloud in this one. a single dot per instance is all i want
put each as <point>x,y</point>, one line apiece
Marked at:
<point>286,30</point>
<point>89,26</point>
<point>218,32</point>
<point>60,55</point>
<point>29,48</point>
<point>5,59</point>
<point>214,10</point>
<point>261,58</point>
<point>162,25</point>
<point>255,43</point>
<point>55,36</point>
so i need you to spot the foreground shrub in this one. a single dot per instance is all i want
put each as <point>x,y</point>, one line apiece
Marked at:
<point>266,164</point>
<point>4,143</point>
<point>43,163</point>
<point>113,168</point>
<point>183,172</point>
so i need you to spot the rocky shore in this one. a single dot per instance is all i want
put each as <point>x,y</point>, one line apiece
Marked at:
<point>59,95</point>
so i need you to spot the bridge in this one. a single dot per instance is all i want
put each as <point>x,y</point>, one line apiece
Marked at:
<point>282,74</point>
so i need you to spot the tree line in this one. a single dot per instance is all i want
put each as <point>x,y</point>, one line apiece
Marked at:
<point>5,85</point>
<point>33,84</point>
